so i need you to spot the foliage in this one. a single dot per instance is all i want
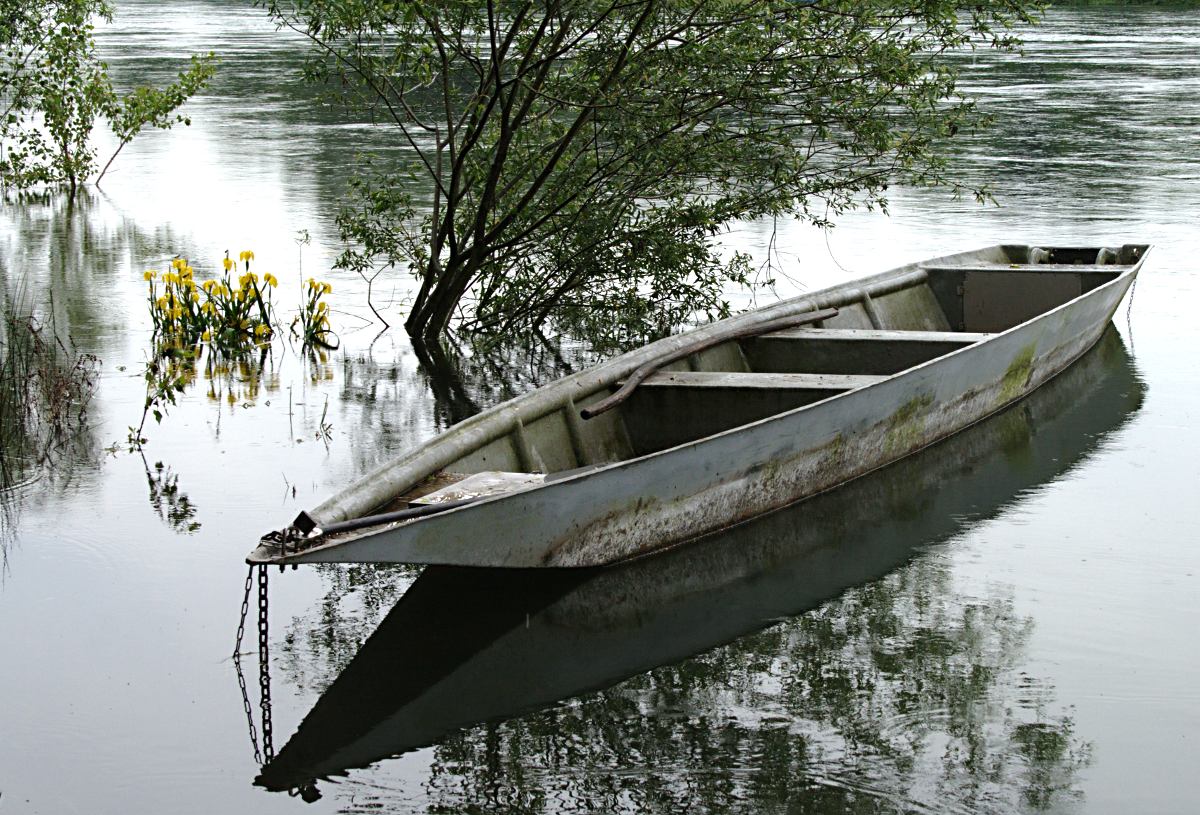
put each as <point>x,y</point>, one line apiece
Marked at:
<point>53,88</point>
<point>45,390</point>
<point>580,157</point>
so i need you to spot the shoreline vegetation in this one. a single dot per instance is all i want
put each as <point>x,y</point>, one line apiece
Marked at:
<point>46,386</point>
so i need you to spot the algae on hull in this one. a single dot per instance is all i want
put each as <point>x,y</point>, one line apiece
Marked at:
<point>1018,373</point>
<point>906,427</point>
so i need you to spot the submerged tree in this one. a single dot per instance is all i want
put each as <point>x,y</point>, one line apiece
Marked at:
<point>53,89</point>
<point>573,159</point>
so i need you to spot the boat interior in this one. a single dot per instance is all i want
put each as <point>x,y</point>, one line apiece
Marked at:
<point>886,325</point>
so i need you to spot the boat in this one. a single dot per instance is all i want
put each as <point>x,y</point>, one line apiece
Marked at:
<point>514,641</point>
<point>711,427</point>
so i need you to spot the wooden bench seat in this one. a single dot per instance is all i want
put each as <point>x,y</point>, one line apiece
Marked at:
<point>758,381</point>
<point>1049,268</point>
<point>878,335</point>
<point>866,351</point>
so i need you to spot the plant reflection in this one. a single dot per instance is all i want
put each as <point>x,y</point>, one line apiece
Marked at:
<point>170,504</point>
<point>856,674</point>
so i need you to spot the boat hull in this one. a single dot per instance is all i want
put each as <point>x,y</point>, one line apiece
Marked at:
<point>629,509</point>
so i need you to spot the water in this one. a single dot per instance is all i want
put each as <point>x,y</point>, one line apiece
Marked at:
<point>1014,630</point>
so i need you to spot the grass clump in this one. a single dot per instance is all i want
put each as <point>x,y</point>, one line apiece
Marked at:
<point>45,389</point>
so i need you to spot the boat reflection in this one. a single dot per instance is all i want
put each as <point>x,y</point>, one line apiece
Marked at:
<point>465,646</point>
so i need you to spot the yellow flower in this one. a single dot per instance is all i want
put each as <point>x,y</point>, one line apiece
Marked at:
<point>321,306</point>
<point>161,303</point>
<point>328,289</point>
<point>177,312</point>
<point>206,336</point>
<point>247,255</point>
<point>227,262</point>
<point>178,263</point>
<point>207,285</point>
<point>312,284</point>
<point>270,279</point>
<point>149,274</point>
<point>260,329</point>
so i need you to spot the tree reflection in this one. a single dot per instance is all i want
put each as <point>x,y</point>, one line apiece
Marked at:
<point>900,695</point>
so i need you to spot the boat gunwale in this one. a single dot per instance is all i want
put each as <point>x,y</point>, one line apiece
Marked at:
<point>632,359</point>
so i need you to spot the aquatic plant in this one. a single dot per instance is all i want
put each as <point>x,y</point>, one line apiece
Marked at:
<point>232,319</point>
<point>227,324</point>
<point>45,389</point>
<point>311,325</point>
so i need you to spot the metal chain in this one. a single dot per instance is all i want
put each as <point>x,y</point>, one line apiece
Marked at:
<point>237,662</point>
<point>264,667</point>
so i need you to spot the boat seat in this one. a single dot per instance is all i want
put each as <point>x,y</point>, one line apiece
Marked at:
<point>481,485</point>
<point>879,335</point>
<point>1045,268</point>
<point>673,407</point>
<point>758,381</point>
<point>859,351</point>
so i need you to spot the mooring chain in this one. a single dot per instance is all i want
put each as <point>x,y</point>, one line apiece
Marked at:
<point>237,663</point>
<point>264,667</point>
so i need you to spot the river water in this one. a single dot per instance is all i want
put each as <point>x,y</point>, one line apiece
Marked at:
<point>1003,624</point>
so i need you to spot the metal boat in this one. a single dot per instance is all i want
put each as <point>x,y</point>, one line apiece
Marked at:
<point>711,427</point>
<point>514,641</point>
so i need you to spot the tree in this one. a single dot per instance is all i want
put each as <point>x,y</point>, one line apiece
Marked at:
<point>53,88</point>
<point>570,161</point>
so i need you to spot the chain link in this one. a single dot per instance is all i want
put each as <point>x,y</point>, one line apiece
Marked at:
<point>237,662</point>
<point>264,667</point>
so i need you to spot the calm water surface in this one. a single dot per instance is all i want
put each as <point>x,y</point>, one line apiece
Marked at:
<point>1005,624</point>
